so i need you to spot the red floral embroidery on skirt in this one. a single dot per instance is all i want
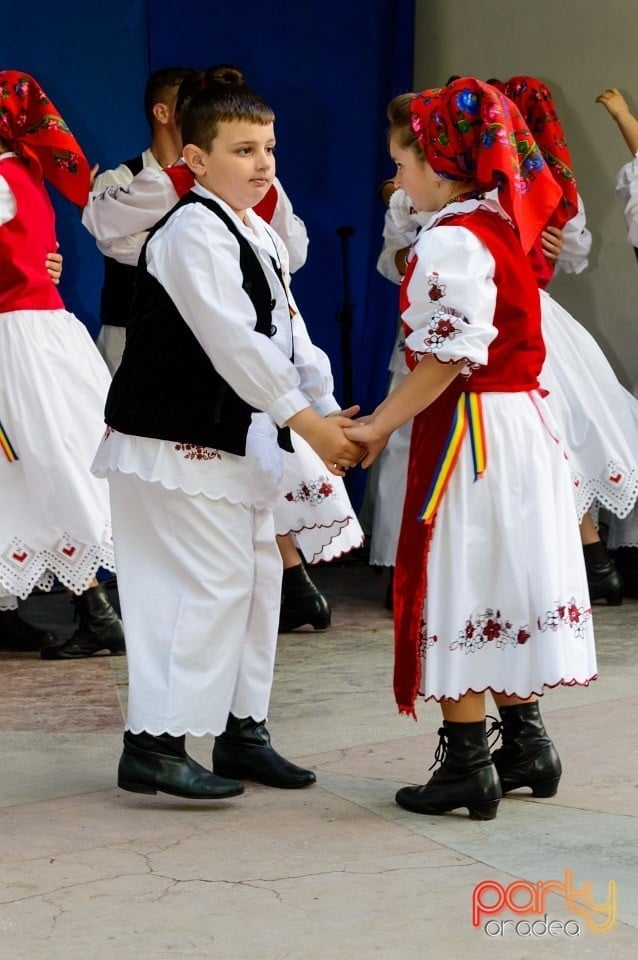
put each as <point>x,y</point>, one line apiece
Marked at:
<point>313,492</point>
<point>192,451</point>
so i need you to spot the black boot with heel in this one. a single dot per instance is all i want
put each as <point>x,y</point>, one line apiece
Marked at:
<point>152,764</point>
<point>244,751</point>
<point>527,758</point>
<point>467,776</point>
<point>100,629</point>
<point>603,578</point>
<point>301,602</point>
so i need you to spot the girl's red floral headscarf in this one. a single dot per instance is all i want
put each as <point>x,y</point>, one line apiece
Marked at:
<point>469,131</point>
<point>32,127</point>
<point>535,102</point>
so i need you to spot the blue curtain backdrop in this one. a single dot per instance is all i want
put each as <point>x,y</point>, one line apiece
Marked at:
<point>327,68</point>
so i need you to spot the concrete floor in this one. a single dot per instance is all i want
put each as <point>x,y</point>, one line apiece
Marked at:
<point>337,870</point>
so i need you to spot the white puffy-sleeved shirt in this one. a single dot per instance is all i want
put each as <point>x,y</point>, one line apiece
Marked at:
<point>196,259</point>
<point>627,190</point>
<point>400,228</point>
<point>120,215</point>
<point>457,323</point>
<point>573,258</point>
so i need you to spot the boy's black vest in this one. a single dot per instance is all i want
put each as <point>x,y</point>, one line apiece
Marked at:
<point>166,386</point>
<point>116,299</point>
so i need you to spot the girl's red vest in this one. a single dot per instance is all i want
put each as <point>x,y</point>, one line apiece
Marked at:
<point>25,242</point>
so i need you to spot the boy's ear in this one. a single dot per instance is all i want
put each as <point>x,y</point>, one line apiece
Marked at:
<point>162,112</point>
<point>194,158</point>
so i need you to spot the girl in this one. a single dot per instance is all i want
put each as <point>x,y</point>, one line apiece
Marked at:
<point>490,586</point>
<point>52,383</point>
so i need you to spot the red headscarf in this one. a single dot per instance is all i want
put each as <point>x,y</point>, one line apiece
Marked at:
<point>535,102</point>
<point>471,132</point>
<point>32,127</point>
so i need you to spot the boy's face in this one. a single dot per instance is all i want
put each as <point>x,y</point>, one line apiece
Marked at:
<point>240,166</point>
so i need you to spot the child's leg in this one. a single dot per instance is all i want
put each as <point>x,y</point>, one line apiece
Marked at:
<point>185,576</point>
<point>244,750</point>
<point>467,776</point>
<point>527,758</point>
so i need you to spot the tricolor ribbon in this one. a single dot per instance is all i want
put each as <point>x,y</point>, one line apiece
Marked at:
<point>468,415</point>
<point>6,446</point>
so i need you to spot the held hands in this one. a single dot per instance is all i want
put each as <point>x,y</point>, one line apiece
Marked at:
<point>326,435</point>
<point>53,266</point>
<point>365,432</point>
<point>552,243</point>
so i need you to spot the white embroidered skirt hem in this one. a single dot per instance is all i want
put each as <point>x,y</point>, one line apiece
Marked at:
<point>508,606</point>
<point>56,521</point>
<point>597,418</point>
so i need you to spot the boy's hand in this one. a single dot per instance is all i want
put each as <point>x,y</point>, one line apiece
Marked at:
<point>53,264</point>
<point>613,101</point>
<point>327,438</point>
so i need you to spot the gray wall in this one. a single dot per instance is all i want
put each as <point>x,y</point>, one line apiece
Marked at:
<point>578,48</point>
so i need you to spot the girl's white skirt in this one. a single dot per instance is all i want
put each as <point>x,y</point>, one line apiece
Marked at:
<point>56,517</point>
<point>597,417</point>
<point>508,606</point>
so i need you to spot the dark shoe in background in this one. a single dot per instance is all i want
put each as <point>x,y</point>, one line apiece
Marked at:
<point>99,629</point>
<point>603,578</point>
<point>301,603</point>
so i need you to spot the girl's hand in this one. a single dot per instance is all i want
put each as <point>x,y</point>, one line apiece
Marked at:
<point>552,243</point>
<point>366,433</point>
<point>53,265</point>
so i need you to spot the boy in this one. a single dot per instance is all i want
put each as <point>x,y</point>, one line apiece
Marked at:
<point>160,96</point>
<point>194,467</point>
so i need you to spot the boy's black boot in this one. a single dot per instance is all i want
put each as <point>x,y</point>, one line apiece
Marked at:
<point>603,578</point>
<point>99,629</point>
<point>18,635</point>
<point>301,602</point>
<point>150,764</point>
<point>466,778</point>
<point>244,751</point>
<point>527,758</point>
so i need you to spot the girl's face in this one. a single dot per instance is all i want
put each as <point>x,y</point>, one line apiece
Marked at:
<point>415,175</point>
<point>240,166</point>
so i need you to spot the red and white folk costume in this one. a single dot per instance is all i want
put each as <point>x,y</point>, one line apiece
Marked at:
<point>313,505</point>
<point>490,590</point>
<point>53,382</point>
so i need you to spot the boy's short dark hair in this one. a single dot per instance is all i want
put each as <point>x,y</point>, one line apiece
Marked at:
<point>161,86</point>
<point>215,105</point>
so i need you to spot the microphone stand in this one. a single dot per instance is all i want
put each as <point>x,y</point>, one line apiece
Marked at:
<point>344,318</point>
